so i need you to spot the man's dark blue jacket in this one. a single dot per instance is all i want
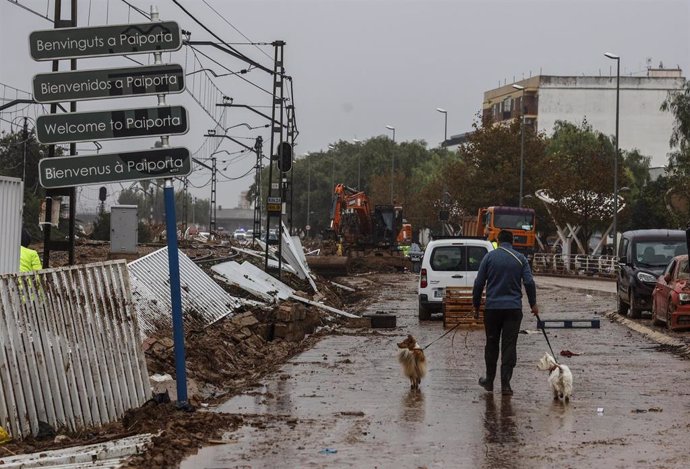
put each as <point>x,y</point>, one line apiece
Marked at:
<point>503,271</point>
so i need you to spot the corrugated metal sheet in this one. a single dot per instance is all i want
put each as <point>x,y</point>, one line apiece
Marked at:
<point>11,207</point>
<point>203,300</point>
<point>70,351</point>
<point>110,454</point>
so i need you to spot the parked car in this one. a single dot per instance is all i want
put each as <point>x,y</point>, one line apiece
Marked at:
<point>448,262</point>
<point>643,256</point>
<point>239,234</point>
<point>671,297</point>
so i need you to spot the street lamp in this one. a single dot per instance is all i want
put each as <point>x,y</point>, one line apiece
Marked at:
<point>359,163</point>
<point>331,147</point>
<point>308,227</point>
<point>390,127</point>
<point>615,159</point>
<point>445,127</point>
<point>522,139</point>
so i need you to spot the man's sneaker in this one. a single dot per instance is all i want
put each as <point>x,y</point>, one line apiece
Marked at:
<point>483,382</point>
<point>506,390</point>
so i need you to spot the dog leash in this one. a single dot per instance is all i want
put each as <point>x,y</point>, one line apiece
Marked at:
<point>444,334</point>
<point>546,337</point>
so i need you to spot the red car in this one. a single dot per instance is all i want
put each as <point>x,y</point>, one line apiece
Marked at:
<point>671,296</point>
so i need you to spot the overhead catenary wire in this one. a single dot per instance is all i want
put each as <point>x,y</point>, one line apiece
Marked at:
<point>240,32</point>
<point>231,71</point>
<point>234,51</point>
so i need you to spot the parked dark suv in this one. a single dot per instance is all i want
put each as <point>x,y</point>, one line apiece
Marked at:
<point>643,256</point>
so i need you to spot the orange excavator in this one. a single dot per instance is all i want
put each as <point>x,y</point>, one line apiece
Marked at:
<point>363,232</point>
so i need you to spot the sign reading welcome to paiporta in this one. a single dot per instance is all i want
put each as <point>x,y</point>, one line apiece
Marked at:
<point>109,125</point>
<point>99,41</point>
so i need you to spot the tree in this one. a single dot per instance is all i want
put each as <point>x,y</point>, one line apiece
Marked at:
<point>649,209</point>
<point>487,171</point>
<point>580,177</point>
<point>13,150</point>
<point>678,103</point>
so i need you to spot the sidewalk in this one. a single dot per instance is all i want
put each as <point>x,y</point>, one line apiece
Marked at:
<point>577,283</point>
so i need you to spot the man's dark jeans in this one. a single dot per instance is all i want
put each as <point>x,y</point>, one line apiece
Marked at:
<point>501,325</point>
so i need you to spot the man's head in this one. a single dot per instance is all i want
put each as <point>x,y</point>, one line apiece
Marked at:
<point>505,236</point>
<point>26,238</point>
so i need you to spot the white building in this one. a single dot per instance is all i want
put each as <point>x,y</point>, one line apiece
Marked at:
<point>547,99</point>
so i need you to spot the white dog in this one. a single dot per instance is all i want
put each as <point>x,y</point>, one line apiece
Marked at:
<point>560,377</point>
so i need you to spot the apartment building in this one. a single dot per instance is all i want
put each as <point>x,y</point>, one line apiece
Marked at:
<point>547,99</point>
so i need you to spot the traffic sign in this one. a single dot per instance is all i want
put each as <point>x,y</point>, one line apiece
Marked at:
<point>108,83</point>
<point>274,204</point>
<point>109,125</point>
<point>99,41</point>
<point>69,171</point>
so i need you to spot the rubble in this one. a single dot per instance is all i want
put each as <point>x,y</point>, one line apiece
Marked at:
<point>225,358</point>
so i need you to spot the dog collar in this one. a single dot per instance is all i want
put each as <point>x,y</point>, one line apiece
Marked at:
<point>554,367</point>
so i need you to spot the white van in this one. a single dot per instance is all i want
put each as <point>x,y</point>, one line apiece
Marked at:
<point>448,262</point>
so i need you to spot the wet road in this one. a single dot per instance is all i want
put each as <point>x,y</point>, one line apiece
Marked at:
<point>349,405</point>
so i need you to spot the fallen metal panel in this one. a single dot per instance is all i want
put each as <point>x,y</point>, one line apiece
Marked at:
<point>231,272</point>
<point>300,249</point>
<point>254,280</point>
<point>293,257</point>
<point>69,348</point>
<point>330,309</point>
<point>203,300</point>
<point>108,454</point>
<point>272,263</point>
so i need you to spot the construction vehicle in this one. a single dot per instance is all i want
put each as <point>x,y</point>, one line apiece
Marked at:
<point>362,232</point>
<point>518,220</point>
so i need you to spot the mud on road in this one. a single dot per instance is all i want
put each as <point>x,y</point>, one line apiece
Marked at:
<point>345,403</point>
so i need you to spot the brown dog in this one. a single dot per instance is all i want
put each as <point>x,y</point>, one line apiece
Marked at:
<point>413,362</point>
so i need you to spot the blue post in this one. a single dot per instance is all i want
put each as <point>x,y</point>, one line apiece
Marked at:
<point>175,294</point>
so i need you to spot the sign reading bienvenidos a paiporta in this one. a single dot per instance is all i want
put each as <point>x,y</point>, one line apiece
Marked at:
<point>108,83</point>
<point>78,85</point>
<point>99,41</point>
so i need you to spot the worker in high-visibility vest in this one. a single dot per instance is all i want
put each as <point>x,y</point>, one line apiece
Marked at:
<point>28,258</point>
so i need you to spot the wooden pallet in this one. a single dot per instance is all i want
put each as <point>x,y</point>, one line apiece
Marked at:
<point>457,309</point>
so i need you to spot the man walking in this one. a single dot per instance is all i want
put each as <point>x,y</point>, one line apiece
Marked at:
<point>503,271</point>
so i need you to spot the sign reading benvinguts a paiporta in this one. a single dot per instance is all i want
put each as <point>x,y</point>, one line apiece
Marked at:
<point>68,171</point>
<point>99,41</point>
<point>110,125</point>
<point>108,83</point>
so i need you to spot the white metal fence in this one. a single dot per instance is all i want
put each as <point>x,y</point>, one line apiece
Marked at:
<point>578,264</point>
<point>11,203</point>
<point>70,351</point>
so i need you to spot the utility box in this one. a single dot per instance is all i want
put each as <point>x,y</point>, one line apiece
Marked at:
<point>124,223</point>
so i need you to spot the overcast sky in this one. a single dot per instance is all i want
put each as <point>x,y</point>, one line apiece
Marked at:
<point>360,65</point>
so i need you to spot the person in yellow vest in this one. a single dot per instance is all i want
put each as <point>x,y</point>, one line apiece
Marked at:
<point>28,258</point>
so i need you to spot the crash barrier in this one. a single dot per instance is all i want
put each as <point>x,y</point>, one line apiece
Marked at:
<point>70,353</point>
<point>575,265</point>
